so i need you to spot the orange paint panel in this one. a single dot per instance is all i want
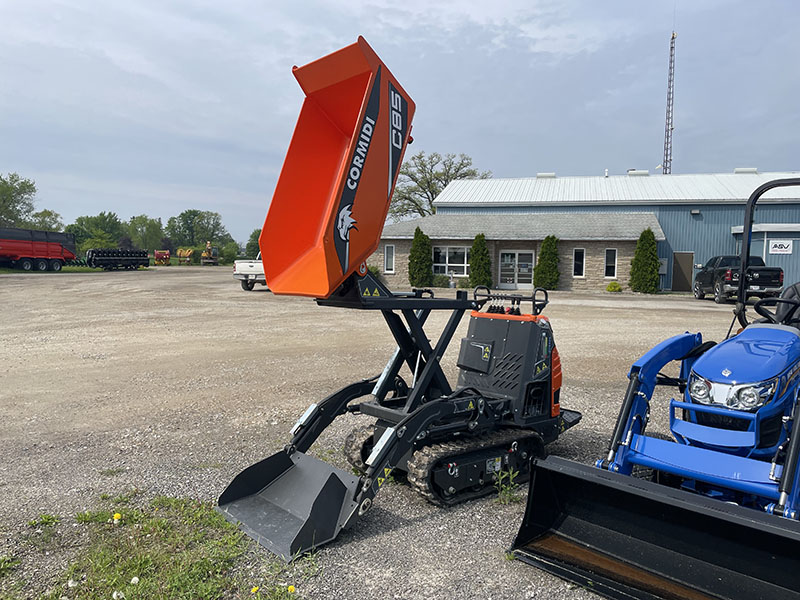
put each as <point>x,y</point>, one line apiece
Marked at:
<point>482,315</point>
<point>555,383</point>
<point>333,192</point>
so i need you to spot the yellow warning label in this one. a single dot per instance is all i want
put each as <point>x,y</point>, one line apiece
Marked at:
<point>380,481</point>
<point>387,471</point>
<point>366,293</point>
<point>376,293</point>
<point>471,405</point>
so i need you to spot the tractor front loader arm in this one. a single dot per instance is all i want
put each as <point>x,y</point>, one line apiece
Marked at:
<point>642,381</point>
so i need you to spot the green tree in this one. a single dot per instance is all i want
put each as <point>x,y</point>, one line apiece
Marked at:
<point>46,220</point>
<point>96,239</point>
<point>546,273</point>
<point>16,200</point>
<point>480,263</point>
<point>195,227</point>
<point>229,253</point>
<point>145,233</point>
<point>645,264</point>
<point>251,250</point>
<point>420,261</point>
<point>105,225</point>
<point>422,178</point>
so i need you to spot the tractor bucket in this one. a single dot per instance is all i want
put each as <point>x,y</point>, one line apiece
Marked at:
<point>290,504</point>
<point>333,192</point>
<point>629,538</point>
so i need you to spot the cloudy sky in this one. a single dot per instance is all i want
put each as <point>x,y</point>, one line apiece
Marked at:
<point>156,106</point>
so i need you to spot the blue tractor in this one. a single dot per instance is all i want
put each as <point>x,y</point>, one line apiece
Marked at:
<point>710,512</point>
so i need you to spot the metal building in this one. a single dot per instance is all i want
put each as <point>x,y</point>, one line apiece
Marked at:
<point>700,215</point>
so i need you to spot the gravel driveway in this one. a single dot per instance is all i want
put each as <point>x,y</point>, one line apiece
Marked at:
<point>172,380</point>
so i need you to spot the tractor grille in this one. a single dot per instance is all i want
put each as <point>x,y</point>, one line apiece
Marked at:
<point>770,428</point>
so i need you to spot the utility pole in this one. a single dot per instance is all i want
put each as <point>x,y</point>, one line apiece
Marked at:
<point>667,162</point>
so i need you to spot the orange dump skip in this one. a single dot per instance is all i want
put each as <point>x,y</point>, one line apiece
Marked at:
<point>334,189</point>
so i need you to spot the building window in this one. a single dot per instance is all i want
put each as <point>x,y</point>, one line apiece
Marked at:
<point>388,258</point>
<point>451,259</point>
<point>611,263</point>
<point>578,255</point>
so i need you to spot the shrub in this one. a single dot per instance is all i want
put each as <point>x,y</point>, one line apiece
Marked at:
<point>420,261</point>
<point>645,264</point>
<point>463,283</point>
<point>546,273</point>
<point>441,281</point>
<point>614,286</point>
<point>376,273</point>
<point>480,263</point>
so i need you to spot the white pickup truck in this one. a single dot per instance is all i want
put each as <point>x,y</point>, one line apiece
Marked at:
<point>249,273</point>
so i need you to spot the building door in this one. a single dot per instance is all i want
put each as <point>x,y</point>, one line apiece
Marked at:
<point>682,269</point>
<point>516,270</point>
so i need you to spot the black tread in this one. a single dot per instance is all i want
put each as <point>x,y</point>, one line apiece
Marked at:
<point>425,459</point>
<point>357,446</point>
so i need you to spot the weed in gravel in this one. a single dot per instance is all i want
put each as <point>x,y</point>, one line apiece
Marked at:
<point>509,555</point>
<point>44,520</point>
<point>44,531</point>
<point>126,497</point>
<point>171,548</point>
<point>7,564</point>
<point>112,472</point>
<point>508,491</point>
<point>207,465</point>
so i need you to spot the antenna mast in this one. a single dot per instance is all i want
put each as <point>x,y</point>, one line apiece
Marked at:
<point>667,162</point>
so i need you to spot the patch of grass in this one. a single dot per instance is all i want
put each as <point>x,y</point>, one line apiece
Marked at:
<point>112,472</point>
<point>177,549</point>
<point>508,492</point>
<point>126,497</point>
<point>509,555</point>
<point>7,564</point>
<point>44,527</point>
<point>45,520</point>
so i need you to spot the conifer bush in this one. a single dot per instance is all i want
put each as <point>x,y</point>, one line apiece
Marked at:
<point>546,274</point>
<point>480,263</point>
<point>420,261</point>
<point>645,264</point>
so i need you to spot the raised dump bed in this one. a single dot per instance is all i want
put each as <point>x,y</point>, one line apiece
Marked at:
<point>333,193</point>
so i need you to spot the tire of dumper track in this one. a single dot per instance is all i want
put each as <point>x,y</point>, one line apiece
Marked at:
<point>357,446</point>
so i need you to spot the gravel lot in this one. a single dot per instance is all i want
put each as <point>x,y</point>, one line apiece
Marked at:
<point>172,380</point>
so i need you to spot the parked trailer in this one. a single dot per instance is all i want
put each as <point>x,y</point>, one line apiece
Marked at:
<point>34,250</point>
<point>116,258</point>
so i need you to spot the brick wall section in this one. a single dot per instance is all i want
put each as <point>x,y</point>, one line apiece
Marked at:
<point>399,279</point>
<point>594,268</point>
<point>594,265</point>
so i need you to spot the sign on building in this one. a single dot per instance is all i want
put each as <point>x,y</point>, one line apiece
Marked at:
<point>780,246</point>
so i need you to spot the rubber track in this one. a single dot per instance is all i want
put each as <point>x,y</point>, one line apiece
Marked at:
<point>354,444</point>
<point>425,459</point>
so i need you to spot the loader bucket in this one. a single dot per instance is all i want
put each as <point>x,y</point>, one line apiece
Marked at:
<point>333,192</point>
<point>290,504</point>
<point>624,537</point>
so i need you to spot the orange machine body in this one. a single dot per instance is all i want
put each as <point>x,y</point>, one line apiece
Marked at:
<point>333,193</point>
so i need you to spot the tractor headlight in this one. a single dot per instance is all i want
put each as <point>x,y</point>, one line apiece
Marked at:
<point>751,396</point>
<point>699,390</point>
<point>741,396</point>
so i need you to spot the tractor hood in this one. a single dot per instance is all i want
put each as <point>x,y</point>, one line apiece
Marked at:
<point>760,352</point>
